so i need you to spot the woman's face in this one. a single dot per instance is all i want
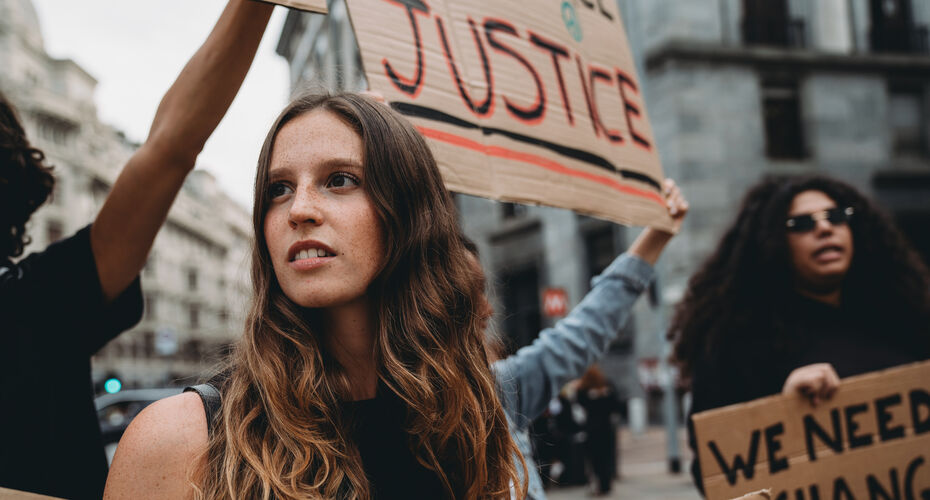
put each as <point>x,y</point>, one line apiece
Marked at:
<point>821,255</point>
<point>323,234</point>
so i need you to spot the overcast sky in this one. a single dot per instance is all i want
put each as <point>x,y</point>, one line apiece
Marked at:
<point>135,49</point>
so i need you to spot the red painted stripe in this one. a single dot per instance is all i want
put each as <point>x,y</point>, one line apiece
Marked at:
<point>539,161</point>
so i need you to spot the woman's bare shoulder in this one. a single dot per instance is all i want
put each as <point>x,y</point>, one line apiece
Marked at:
<point>159,449</point>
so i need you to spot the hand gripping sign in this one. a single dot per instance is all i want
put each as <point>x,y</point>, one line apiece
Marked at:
<point>531,101</point>
<point>870,441</point>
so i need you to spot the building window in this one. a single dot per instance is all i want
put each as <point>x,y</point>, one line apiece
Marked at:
<point>54,231</point>
<point>191,279</point>
<point>54,129</point>
<point>150,309</point>
<point>521,297</point>
<point>767,22</point>
<point>512,210</point>
<point>57,193</point>
<point>148,344</point>
<point>149,268</point>
<point>194,315</point>
<point>893,28</point>
<point>192,350</point>
<point>781,114</point>
<point>906,120</point>
<point>99,190</point>
<point>600,249</point>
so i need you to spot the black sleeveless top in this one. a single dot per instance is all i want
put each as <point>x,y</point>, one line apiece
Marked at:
<point>379,433</point>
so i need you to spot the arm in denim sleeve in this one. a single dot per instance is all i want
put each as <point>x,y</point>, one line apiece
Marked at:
<point>529,378</point>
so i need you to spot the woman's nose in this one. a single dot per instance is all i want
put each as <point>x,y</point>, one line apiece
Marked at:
<point>823,226</point>
<point>306,209</point>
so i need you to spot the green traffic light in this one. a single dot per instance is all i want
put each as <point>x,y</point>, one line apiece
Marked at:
<point>112,386</point>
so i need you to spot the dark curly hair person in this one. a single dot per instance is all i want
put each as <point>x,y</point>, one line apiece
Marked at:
<point>812,282</point>
<point>25,181</point>
<point>61,304</point>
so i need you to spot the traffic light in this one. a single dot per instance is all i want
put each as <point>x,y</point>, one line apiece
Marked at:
<point>112,385</point>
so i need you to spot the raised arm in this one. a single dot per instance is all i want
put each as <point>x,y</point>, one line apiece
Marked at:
<point>138,204</point>
<point>650,243</point>
<point>529,378</point>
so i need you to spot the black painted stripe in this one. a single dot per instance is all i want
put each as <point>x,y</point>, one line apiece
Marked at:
<point>413,110</point>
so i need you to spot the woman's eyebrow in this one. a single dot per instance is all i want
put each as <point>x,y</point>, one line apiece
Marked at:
<point>279,173</point>
<point>342,162</point>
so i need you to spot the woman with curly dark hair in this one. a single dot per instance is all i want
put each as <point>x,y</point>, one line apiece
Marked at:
<point>25,181</point>
<point>62,304</point>
<point>812,282</point>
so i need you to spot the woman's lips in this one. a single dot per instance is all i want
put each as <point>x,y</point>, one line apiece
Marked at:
<point>309,263</point>
<point>828,254</point>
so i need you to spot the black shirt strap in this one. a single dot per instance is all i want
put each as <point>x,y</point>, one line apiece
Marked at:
<point>212,400</point>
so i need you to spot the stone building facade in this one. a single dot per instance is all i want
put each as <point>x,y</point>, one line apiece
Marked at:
<point>195,283</point>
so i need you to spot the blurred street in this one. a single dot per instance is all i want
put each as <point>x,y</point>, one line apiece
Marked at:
<point>643,471</point>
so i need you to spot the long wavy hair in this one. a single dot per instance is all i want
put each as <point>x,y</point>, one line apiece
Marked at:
<point>281,432</point>
<point>743,290</point>
<point>25,181</point>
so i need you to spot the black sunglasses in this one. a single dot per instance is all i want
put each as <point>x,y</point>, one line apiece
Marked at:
<point>807,222</point>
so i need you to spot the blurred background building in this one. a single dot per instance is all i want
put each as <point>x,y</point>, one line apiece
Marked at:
<point>735,89</point>
<point>196,279</point>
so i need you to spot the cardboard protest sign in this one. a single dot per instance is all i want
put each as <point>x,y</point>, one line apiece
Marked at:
<point>757,495</point>
<point>318,6</point>
<point>870,441</point>
<point>522,100</point>
<point>7,494</point>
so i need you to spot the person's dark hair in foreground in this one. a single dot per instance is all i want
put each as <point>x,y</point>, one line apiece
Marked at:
<point>61,304</point>
<point>811,282</point>
<point>25,181</point>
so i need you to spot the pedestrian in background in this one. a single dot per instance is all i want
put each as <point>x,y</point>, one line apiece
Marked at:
<point>811,282</point>
<point>599,399</point>
<point>59,306</point>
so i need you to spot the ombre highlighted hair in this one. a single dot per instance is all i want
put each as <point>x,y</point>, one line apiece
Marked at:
<point>281,433</point>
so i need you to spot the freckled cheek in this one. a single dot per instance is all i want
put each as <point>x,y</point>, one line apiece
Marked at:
<point>274,235</point>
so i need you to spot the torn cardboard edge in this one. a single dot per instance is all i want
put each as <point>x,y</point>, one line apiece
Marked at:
<point>8,494</point>
<point>765,494</point>
<point>317,6</point>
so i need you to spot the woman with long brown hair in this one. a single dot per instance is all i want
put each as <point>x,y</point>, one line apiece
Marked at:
<point>361,372</point>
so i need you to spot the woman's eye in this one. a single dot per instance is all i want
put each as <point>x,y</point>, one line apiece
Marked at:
<point>342,180</point>
<point>278,189</point>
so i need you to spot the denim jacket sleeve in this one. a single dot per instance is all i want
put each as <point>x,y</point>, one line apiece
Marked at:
<point>534,374</point>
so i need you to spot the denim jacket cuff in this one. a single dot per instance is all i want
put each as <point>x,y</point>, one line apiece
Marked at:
<point>631,269</point>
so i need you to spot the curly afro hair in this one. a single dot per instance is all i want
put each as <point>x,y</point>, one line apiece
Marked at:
<point>741,292</point>
<point>25,181</point>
